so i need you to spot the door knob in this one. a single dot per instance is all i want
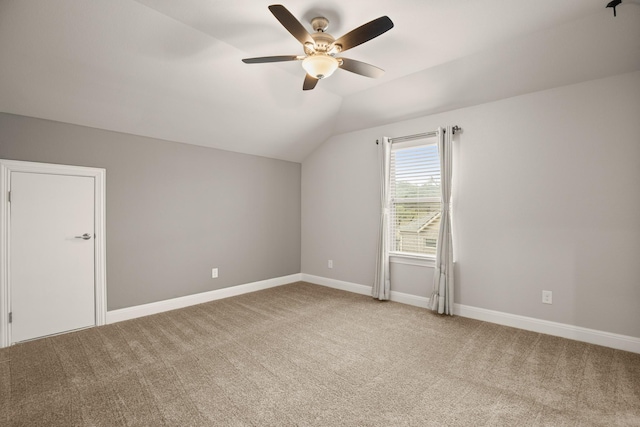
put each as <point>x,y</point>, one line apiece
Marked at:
<point>85,236</point>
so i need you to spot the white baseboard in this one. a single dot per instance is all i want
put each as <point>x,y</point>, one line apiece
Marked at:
<point>365,290</point>
<point>119,315</point>
<point>337,284</point>
<point>409,299</point>
<point>592,336</point>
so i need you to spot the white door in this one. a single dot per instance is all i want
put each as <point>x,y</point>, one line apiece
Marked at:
<point>51,254</point>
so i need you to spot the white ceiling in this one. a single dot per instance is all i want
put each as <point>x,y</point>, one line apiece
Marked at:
<point>172,69</point>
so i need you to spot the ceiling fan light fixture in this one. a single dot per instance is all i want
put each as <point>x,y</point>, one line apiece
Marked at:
<point>321,48</point>
<point>320,66</point>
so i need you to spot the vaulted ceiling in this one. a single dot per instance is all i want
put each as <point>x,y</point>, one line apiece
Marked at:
<point>172,69</point>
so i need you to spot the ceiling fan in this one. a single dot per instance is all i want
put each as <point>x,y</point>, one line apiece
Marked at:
<point>320,48</point>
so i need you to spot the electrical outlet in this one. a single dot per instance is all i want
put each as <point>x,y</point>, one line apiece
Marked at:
<point>547,297</point>
<point>214,273</point>
<point>330,264</point>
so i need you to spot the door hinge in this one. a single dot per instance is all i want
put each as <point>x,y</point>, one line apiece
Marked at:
<point>10,317</point>
<point>9,196</point>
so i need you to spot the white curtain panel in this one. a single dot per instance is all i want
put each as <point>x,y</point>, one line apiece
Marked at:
<point>442,297</point>
<point>382,285</point>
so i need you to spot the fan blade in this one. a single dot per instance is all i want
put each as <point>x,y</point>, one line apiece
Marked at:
<point>289,22</point>
<point>361,68</point>
<point>263,59</point>
<point>365,33</point>
<point>309,82</point>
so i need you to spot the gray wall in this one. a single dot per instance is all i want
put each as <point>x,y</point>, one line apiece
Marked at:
<point>174,211</point>
<point>547,196</point>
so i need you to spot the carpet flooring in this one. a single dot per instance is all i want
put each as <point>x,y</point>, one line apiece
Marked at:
<point>306,355</point>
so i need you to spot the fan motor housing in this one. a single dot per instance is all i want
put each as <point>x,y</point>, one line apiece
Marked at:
<point>323,40</point>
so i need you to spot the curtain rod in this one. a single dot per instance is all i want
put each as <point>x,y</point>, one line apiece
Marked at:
<point>433,133</point>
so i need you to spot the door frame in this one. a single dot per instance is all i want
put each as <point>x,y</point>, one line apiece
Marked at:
<point>100,279</point>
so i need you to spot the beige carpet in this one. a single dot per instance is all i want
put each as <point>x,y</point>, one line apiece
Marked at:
<point>303,355</point>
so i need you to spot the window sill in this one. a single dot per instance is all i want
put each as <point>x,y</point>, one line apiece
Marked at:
<point>421,261</point>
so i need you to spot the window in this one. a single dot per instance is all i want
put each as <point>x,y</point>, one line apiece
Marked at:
<point>415,197</point>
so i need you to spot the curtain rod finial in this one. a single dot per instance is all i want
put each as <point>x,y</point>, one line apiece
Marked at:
<point>456,129</point>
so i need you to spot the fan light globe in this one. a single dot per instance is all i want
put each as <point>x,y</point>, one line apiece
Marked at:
<point>320,66</point>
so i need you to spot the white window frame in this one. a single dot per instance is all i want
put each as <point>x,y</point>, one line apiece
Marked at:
<point>408,258</point>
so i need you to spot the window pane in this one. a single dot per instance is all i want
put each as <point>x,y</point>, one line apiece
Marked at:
<point>415,227</point>
<point>415,199</point>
